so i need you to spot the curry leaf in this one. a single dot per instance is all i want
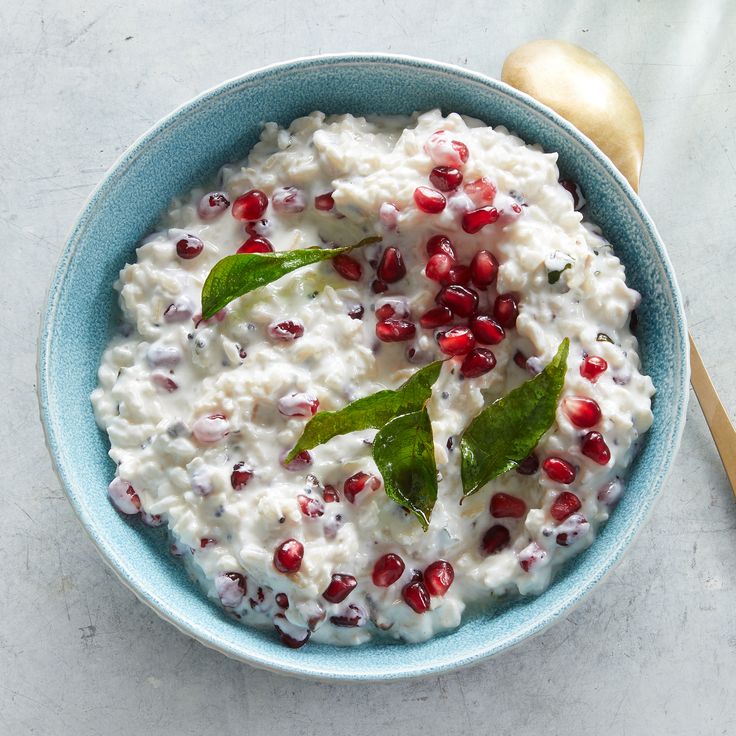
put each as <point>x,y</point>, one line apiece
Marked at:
<point>505,432</point>
<point>241,273</point>
<point>370,412</point>
<point>404,453</point>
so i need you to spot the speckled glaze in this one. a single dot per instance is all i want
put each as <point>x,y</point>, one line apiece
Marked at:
<point>191,144</point>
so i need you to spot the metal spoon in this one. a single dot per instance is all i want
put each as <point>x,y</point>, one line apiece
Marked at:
<point>590,95</point>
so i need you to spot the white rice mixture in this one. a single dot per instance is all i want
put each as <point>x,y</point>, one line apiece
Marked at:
<point>185,402</point>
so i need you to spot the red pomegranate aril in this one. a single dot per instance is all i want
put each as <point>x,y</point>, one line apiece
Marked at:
<point>416,596</point>
<point>530,556</point>
<point>440,244</point>
<point>582,411</point>
<point>457,341</point>
<point>559,470</point>
<point>429,200</point>
<point>476,220</point>
<point>438,577</point>
<point>287,557</point>
<point>378,286</point>
<point>356,312</point>
<point>395,330</point>
<point>391,268</point>
<point>388,214</point>
<point>206,542</point>
<point>289,200</point>
<point>301,461</point>
<point>572,528</point>
<point>483,269</point>
<point>445,178</point>
<point>347,267</point>
<point>574,189</point>
<point>302,404</point>
<point>445,151</point>
<point>164,382</point>
<point>188,247</point>
<point>340,587</point>
<point>384,312</point>
<point>324,202</point>
<point>438,267</point>
<point>435,317</point>
<point>506,310</point>
<point>592,367</point>
<point>481,191</point>
<point>212,205</point>
<point>458,275</point>
<point>240,476</point>
<point>520,360</point>
<point>123,496</point>
<point>595,447</point>
<point>291,635</point>
<point>250,206</point>
<point>282,600</point>
<point>495,539</point>
<point>256,244</point>
<point>529,465</point>
<point>231,588</point>
<point>286,331</point>
<point>506,506</point>
<point>387,570</point>
<point>353,616</point>
<point>358,482</point>
<point>330,494</point>
<point>478,362</point>
<point>459,300</point>
<point>310,506</point>
<point>486,330</point>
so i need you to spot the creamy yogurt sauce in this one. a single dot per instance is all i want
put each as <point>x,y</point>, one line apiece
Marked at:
<point>200,414</point>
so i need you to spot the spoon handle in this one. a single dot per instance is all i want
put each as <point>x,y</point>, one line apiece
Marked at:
<point>724,434</point>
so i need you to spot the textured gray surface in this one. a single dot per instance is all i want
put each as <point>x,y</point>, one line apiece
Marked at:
<point>653,650</point>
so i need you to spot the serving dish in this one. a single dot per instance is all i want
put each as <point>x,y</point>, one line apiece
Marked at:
<point>222,125</point>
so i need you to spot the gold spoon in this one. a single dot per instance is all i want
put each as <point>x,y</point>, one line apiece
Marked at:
<point>590,95</point>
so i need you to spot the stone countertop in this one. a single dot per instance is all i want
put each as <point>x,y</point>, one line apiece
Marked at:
<point>651,651</point>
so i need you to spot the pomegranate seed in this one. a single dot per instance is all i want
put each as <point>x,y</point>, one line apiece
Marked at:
<point>528,466</point>
<point>530,556</point>
<point>357,483</point>
<point>152,520</point>
<point>164,382</point>
<point>595,447</point>
<point>211,429</point>
<point>206,542</point>
<point>286,331</point>
<point>592,367</point>
<point>459,300</point>
<point>435,317</point>
<point>391,268</point>
<point>577,193</point>
<point>188,247</point>
<point>438,577</point>
<point>416,596</point>
<point>445,178</point>
<point>395,330</point>
<point>387,570</point>
<point>298,405</point>
<point>483,269</point>
<point>573,527</point>
<point>339,588</point>
<point>610,493</point>
<point>505,506</point>
<point>256,244</point>
<point>301,461</point>
<point>212,205</point>
<point>486,330</point>
<point>417,576</point>
<point>506,310</point>
<point>287,557</point>
<point>123,496</point>
<point>445,151</point>
<point>482,191</point>
<point>378,286</point>
<point>282,600</point>
<point>478,362</point>
<point>440,244</point>
<point>457,275</point>
<point>438,267</point>
<point>384,312</point>
<point>291,635</point>
<point>231,587</point>
<point>240,476</point>
<point>559,470</point>
<point>288,200</point>
<point>330,494</point>
<point>310,506</point>
<point>347,267</point>
<point>429,200</point>
<point>324,202</point>
<point>389,215</point>
<point>476,220</point>
<point>250,206</point>
<point>582,412</point>
<point>356,312</point>
<point>520,359</point>
<point>457,341</point>
<point>495,539</point>
<point>353,616</point>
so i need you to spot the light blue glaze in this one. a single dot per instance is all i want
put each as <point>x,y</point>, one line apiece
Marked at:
<point>191,144</point>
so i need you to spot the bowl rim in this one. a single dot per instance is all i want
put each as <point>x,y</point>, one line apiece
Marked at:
<point>190,627</point>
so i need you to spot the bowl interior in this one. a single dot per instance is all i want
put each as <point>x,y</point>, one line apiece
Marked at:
<point>188,147</point>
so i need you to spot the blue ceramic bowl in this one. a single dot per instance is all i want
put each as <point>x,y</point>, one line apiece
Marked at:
<point>191,144</point>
